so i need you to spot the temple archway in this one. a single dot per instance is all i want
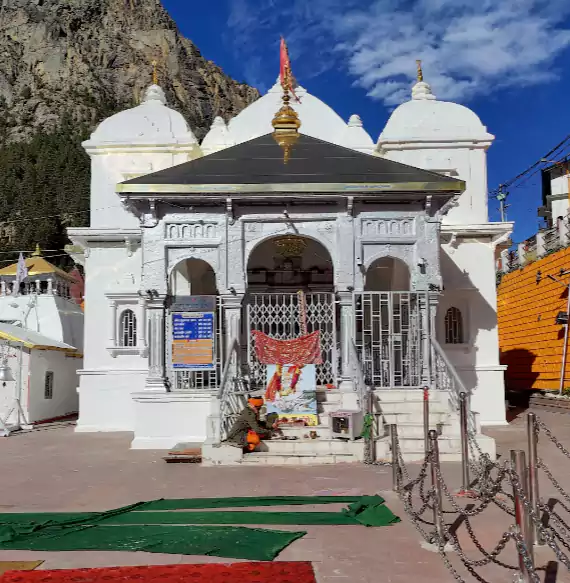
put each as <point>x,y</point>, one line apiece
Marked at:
<point>387,274</point>
<point>195,320</point>
<point>192,277</point>
<point>288,264</point>
<point>290,284</point>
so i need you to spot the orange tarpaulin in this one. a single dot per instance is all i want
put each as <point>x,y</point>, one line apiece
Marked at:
<point>298,351</point>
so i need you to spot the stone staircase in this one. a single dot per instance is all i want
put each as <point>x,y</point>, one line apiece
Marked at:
<point>402,407</point>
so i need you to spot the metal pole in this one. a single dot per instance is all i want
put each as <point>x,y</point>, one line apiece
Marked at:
<point>464,441</point>
<point>521,516</point>
<point>395,458</point>
<point>565,350</point>
<point>437,496</point>
<point>533,491</point>
<point>426,421</point>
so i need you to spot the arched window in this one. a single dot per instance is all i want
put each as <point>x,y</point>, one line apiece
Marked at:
<point>128,329</point>
<point>454,326</point>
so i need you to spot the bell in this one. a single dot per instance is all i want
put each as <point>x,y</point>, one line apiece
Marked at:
<point>6,374</point>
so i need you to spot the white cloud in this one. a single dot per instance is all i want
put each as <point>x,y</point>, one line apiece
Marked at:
<point>468,47</point>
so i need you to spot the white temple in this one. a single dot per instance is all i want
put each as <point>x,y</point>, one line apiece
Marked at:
<point>389,241</point>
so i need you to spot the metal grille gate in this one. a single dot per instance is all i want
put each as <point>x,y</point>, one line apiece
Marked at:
<point>388,338</point>
<point>277,315</point>
<point>196,380</point>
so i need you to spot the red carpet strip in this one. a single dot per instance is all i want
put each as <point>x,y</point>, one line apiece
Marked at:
<point>277,572</point>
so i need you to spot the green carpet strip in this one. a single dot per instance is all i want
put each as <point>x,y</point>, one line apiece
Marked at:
<point>165,526</point>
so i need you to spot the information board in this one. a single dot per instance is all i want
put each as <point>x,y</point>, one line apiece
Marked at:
<point>193,340</point>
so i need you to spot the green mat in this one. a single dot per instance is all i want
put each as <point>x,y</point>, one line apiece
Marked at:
<point>155,527</point>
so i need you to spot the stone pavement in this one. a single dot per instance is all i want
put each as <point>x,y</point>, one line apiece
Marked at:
<point>54,469</point>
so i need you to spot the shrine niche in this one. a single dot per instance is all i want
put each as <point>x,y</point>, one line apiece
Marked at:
<point>290,263</point>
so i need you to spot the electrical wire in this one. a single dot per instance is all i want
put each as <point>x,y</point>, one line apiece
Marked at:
<point>536,166</point>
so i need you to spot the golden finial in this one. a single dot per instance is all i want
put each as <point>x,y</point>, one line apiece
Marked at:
<point>420,74</point>
<point>286,126</point>
<point>37,252</point>
<point>154,72</point>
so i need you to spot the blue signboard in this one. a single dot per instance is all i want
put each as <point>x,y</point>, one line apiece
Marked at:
<point>193,340</point>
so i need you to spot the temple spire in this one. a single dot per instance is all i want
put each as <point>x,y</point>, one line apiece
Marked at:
<point>420,73</point>
<point>286,122</point>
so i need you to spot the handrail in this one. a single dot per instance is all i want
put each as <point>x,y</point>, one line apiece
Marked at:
<point>361,386</point>
<point>449,366</point>
<point>458,386</point>
<point>234,347</point>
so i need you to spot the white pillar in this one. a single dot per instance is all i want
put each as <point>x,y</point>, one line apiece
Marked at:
<point>231,309</point>
<point>156,380</point>
<point>50,286</point>
<point>113,328</point>
<point>38,286</point>
<point>346,376</point>
<point>2,288</point>
<point>141,324</point>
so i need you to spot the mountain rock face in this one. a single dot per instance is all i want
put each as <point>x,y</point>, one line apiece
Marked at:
<point>86,59</point>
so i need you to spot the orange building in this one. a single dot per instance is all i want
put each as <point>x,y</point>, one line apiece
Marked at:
<point>530,340</point>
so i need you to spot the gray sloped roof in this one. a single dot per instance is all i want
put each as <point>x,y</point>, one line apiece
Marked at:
<point>260,161</point>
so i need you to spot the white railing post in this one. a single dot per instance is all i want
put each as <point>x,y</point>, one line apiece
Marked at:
<point>540,245</point>
<point>521,254</point>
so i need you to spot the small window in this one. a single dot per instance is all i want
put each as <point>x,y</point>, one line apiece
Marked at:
<point>48,385</point>
<point>454,326</point>
<point>128,329</point>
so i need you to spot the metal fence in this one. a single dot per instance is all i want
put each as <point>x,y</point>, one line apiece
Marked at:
<point>388,337</point>
<point>278,316</point>
<point>197,380</point>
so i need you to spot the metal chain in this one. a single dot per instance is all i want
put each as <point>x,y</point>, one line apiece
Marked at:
<point>547,471</point>
<point>550,436</point>
<point>544,532</point>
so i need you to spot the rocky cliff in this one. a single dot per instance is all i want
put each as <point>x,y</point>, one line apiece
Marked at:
<point>89,58</point>
<point>64,66</point>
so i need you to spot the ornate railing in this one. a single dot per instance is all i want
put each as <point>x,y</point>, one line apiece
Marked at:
<point>362,389</point>
<point>232,394</point>
<point>446,378</point>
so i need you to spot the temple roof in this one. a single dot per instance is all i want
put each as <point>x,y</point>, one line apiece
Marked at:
<point>312,162</point>
<point>36,265</point>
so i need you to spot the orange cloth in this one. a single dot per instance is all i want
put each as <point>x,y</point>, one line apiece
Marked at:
<point>253,440</point>
<point>255,401</point>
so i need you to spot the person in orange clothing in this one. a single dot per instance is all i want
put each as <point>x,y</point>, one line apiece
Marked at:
<point>248,431</point>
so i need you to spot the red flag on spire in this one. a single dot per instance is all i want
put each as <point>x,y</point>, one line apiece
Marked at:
<point>287,79</point>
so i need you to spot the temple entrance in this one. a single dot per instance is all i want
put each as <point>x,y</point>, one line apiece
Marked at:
<point>290,282</point>
<point>195,313</point>
<point>388,326</point>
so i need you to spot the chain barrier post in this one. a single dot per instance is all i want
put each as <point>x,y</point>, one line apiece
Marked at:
<point>522,518</point>
<point>533,491</point>
<point>437,494</point>
<point>426,421</point>
<point>395,458</point>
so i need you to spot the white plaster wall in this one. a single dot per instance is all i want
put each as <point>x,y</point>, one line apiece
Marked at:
<point>65,380</point>
<point>52,316</point>
<point>8,391</point>
<point>108,169</point>
<point>468,164</point>
<point>106,382</point>
<point>560,185</point>
<point>470,285</point>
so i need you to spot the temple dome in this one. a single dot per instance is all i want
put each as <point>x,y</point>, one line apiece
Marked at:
<point>151,122</point>
<point>217,138</point>
<point>356,137</point>
<point>424,118</point>
<point>318,120</point>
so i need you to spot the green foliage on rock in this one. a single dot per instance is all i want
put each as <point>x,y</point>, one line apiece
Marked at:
<point>44,188</point>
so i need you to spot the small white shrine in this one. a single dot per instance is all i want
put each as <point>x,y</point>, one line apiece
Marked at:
<point>389,242</point>
<point>41,342</point>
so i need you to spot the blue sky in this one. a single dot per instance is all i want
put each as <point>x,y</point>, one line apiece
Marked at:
<point>507,60</point>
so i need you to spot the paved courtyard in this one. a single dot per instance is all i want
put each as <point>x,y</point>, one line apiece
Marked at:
<point>55,469</point>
